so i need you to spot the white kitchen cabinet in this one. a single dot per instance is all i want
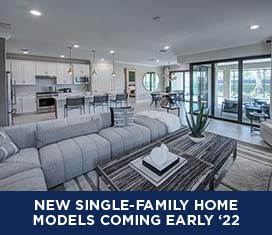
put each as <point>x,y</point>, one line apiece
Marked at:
<point>46,69</point>
<point>23,72</point>
<point>29,104</point>
<point>62,74</point>
<point>18,71</point>
<point>81,70</point>
<point>30,73</point>
<point>25,104</point>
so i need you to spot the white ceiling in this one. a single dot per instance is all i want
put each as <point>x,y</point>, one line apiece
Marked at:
<point>126,26</point>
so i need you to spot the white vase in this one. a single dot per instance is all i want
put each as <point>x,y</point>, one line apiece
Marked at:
<point>195,139</point>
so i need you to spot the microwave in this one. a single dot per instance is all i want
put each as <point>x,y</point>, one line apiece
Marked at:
<point>81,80</point>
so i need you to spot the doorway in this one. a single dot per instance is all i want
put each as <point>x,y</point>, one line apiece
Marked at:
<point>130,83</point>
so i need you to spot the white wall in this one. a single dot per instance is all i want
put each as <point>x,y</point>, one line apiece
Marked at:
<point>242,51</point>
<point>103,81</point>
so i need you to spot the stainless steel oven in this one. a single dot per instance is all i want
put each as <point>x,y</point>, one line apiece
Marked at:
<point>46,102</point>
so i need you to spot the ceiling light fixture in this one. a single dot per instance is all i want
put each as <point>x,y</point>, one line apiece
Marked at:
<point>113,65</point>
<point>62,56</point>
<point>35,13</point>
<point>112,52</point>
<point>157,61</point>
<point>157,18</point>
<point>93,73</point>
<point>70,71</point>
<point>76,46</point>
<point>166,47</point>
<point>25,51</point>
<point>253,27</point>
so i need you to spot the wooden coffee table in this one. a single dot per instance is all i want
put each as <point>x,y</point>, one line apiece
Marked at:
<point>207,163</point>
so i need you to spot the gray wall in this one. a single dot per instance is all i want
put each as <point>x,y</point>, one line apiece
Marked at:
<point>3,85</point>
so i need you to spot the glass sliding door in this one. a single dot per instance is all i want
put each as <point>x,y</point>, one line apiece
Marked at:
<point>256,87</point>
<point>201,87</point>
<point>226,90</point>
<point>187,86</point>
<point>181,83</point>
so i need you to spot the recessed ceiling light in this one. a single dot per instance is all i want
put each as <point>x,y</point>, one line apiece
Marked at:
<point>112,52</point>
<point>102,59</point>
<point>157,61</point>
<point>178,64</point>
<point>62,56</point>
<point>35,12</point>
<point>157,18</point>
<point>25,51</point>
<point>255,26</point>
<point>166,47</point>
<point>76,46</point>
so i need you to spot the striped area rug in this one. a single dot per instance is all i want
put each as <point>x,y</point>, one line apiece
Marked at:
<point>252,171</point>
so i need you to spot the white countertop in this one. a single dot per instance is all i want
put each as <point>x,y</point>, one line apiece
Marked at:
<point>63,96</point>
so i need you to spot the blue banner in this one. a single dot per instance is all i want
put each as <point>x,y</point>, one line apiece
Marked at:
<point>140,213</point>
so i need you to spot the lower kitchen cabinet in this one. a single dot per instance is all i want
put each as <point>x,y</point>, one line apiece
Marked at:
<point>25,104</point>
<point>29,104</point>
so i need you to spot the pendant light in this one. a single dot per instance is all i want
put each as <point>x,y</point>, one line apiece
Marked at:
<point>70,71</point>
<point>113,65</point>
<point>94,73</point>
<point>167,75</point>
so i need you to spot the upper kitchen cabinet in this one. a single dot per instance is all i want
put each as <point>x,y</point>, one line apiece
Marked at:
<point>46,69</point>
<point>30,73</point>
<point>23,72</point>
<point>62,74</point>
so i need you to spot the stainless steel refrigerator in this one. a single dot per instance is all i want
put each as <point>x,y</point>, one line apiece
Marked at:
<point>11,85</point>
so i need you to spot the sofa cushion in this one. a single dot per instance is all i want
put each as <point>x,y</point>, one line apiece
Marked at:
<point>21,177</point>
<point>28,156</point>
<point>55,134</point>
<point>7,147</point>
<point>158,129</point>
<point>22,135</point>
<point>104,119</point>
<point>70,158</point>
<point>126,139</point>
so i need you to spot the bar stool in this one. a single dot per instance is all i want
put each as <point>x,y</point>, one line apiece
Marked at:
<point>74,103</point>
<point>120,99</point>
<point>99,100</point>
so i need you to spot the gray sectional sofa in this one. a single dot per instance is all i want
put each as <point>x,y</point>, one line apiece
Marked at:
<point>52,152</point>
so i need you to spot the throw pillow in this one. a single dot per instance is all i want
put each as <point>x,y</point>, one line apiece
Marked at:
<point>7,147</point>
<point>122,116</point>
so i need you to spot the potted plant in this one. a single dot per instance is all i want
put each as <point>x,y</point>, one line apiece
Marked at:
<point>198,124</point>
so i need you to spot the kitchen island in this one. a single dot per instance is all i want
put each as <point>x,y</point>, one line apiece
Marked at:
<point>61,101</point>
